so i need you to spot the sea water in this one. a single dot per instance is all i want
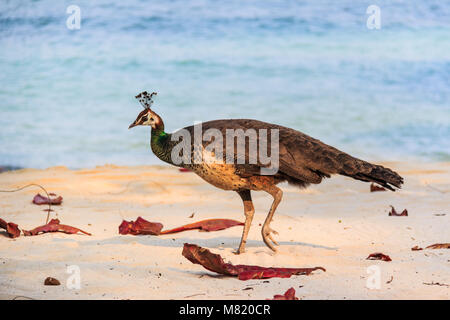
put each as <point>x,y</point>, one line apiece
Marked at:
<point>67,94</point>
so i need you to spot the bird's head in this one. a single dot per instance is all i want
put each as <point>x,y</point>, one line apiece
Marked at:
<point>147,117</point>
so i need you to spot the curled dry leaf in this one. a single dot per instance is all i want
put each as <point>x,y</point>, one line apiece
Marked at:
<point>53,226</point>
<point>214,262</point>
<point>393,212</point>
<point>288,295</point>
<point>49,281</point>
<point>12,229</point>
<point>439,246</point>
<point>376,188</point>
<point>379,256</point>
<point>416,248</point>
<point>53,200</point>
<point>206,225</point>
<point>142,226</point>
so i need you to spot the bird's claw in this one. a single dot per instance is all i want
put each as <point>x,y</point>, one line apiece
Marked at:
<point>266,234</point>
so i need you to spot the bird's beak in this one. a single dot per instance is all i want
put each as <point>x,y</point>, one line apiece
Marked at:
<point>132,125</point>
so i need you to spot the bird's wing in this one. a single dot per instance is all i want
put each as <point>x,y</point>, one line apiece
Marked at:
<point>300,156</point>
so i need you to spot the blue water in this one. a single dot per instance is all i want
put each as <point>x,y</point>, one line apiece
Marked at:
<point>67,96</point>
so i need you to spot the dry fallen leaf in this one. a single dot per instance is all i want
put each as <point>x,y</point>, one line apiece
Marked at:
<point>49,281</point>
<point>53,226</point>
<point>379,256</point>
<point>53,200</point>
<point>439,246</point>
<point>416,248</point>
<point>288,295</point>
<point>214,262</point>
<point>393,212</point>
<point>11,228</point>
<point>206,225</point>
<point>376,188</point>
<point>142,226</point>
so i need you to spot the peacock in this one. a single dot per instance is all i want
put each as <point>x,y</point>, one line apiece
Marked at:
<point>300,159</point>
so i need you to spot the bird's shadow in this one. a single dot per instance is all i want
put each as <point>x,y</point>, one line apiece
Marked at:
<point>216,242</point>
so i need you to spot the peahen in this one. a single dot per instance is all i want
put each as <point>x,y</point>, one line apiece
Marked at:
<point>301,159</point>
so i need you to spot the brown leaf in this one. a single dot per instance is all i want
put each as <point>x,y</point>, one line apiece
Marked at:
<point>206,225</point>
<point>142,226</point>
<point>439,246</point>
<point>416,248</point>
<point>379,256</point>
<point>376,188</point>
<point>54,226</point>
<point>39,200</point>
<point>395,213</point>
<point>214,262</point>
<point>288,295</point>
<point>11,228</point>
<point>49,281</point>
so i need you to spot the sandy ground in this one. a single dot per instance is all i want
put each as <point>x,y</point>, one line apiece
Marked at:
<point>336,224</point>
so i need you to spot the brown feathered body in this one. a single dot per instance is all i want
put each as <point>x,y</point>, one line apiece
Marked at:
<point>303,160</point>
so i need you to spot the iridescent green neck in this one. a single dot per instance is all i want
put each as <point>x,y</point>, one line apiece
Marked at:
<point>160,143</point>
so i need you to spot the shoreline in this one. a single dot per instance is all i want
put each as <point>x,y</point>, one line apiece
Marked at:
<point>335,224</point>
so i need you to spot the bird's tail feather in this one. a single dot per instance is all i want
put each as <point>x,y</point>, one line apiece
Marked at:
<point>375,173</point>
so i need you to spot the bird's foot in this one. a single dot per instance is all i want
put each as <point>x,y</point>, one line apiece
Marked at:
<point>267,237</point>
<point>241,247</point>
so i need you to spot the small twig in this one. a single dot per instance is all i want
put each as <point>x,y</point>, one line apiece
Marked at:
<point>436,284</point>
<point>16,297</point>
<point>35,185</point>
<point>193,295</point>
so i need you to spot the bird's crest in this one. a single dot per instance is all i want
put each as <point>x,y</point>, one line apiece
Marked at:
<point>146,99</point>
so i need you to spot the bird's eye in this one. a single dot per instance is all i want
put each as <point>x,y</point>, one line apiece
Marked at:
<point>144,118</point>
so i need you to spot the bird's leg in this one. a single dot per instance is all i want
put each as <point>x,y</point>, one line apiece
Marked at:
<point>277,194</point>
<point>249,211</point>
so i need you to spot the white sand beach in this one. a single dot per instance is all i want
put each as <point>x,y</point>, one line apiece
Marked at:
<point>336,225</point>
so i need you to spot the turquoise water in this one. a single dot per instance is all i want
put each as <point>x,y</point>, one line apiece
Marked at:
<point>67,96</point>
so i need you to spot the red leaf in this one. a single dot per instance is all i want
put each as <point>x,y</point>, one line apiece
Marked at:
<point>214,262</point>
<point>39,200</point>
<point>11,228</point>
<point>53,226</point>
<point>142,226</point>
<point>375,188</point>
<point>206,225</point>
<point>288,295</point>
<point>379,256</point>
<point>439,246</point>
<point>395,213</point>
<point>184,170</point>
